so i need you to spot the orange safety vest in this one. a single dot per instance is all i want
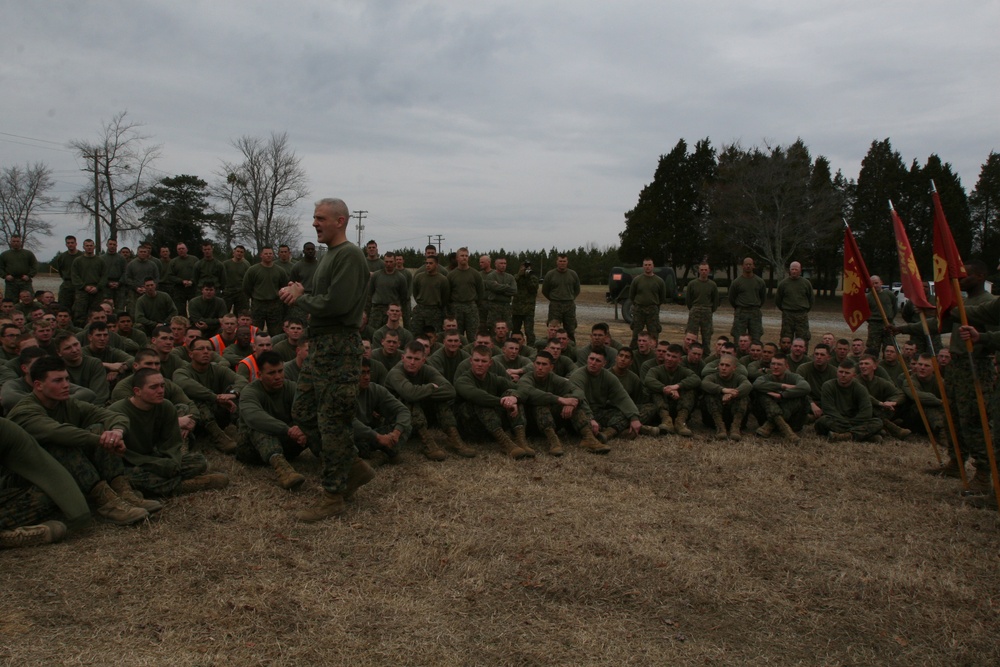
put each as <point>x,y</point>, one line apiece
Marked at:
<point>251,364</point>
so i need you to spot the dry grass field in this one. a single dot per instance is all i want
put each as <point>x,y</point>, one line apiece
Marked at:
<point>667,551</point>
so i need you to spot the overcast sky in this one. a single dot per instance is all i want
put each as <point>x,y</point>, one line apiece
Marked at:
<point>515,124</point>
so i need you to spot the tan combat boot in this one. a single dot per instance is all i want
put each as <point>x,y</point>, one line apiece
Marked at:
<point>680,424</point>
<point>288,478</point>
<point>734,429</point>
<point>897,431</point>
<point>508,446</point>
<point>607,434</point>
<point>220,439</point>
<point>592,444</point>
<point>211,481</point>
<point>839,437</point>
<point>720,426</point>
<point>948,469</point>
<point>521,438</point>
<point>555,445</point>
<point>29,536</point>
<point>330,504</point>
<point>666,422</point>
<point>361,473</point>
<point>125,491</point>
<point>766,429</point>
<point>113,509</point>
<point>432,450</point>
<point>980,483</point>
<point>457,445</point>
<point>649,430</point>
<point>786,430</point>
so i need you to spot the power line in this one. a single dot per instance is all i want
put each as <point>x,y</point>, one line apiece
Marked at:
<point>44,141</point>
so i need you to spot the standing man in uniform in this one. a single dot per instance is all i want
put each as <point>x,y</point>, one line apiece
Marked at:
<point>877,336</point>
<point>795,298</point>
<point>18,266</point>
<point>432,293</point>
<point>114,275</point>
<point>182,278</point>
<point>561,286</point>
<point>467,292</point>
<point>235,269</point>
<point>88,277</point>
<point>386,287</point>
<point>523,307</point>
<point>746,296</point>
<point>261,283</point>
<point>500,287</point>
<point>62,263</point>
<point>647,293</point>
<point>137,272</point>
<point>701,297</point>
<point>328,383</point>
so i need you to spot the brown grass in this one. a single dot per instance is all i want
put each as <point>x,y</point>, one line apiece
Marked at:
<point>667,551</point>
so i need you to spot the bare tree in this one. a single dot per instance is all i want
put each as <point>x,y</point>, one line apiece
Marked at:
<point>121,159</point>
<point>23,194</point>
<point>263,189</point>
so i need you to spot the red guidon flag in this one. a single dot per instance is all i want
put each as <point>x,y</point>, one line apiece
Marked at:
<point>909,274</point>
<point>856,281</point>
<point>948,264</point>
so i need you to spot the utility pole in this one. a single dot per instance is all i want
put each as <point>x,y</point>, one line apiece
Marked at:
<point>360,215</point>
<point>437,243</point>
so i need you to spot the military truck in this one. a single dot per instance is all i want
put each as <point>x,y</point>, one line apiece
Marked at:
<point>618,286</point>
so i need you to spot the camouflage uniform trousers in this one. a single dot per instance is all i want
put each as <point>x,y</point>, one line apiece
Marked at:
<point>910,417</point>
<point>523,319</point>
<point>380,426</point>
<point>612,417</point>
<point>155,483</point>
<point>268,313</point>
<point>648,318</point>
<point>499,311</point>
<point>477,422</point>
<point>66,294</point>
<point>467,314</point>
<point>712,405</point>
<point>206,413</point>
<point>793,410</point>
<point>795,325</point>
<point>181,296</point>
<point>861,429</point>
<point>378,315</point>
<point>12,288</point>
<point>959,384</point>
<point>565,312</point>
<point>236,300</point>
<point>440,412</point>
<point>685,402</point>
<point>424,316</point>
<point>256,448</point>
<point>877,334</point>
<point>24,507</point>
<point>82,303</point>
<point>550,417</point>
<point>87,465</point>
<point>700,322</point>
<point>325,402</point>
<point>747,320</point>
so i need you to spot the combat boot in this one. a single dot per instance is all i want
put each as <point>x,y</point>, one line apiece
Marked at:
<point>113,509</point>
<point>786,430</point>
<point>555,445</point>
<point>330,504</point>
<point>666,422</point>
<point>457,445</point>
<point>508,446</point>
<point>765,429</point>
<point>838,437</point>
<point>125,491</point>
<point>220,438</point>
<point>592,444</point>
<point>361,473</point>
<point>734,430</point>
<point>288,478</point>
<point>896,431</point>
<point>521,438</point>
<point>980,482</point>
<point>649,430</point>
<point>431,449</point>
<point>680,424</point>
<point>948,469</point>
<point>49,532</point>
<point>720,426</point>
<point>607,434</point>
<point>208,482</point>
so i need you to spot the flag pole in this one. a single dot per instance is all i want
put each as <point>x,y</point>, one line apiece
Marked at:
<point>906,371</point>
<point>980,398</point>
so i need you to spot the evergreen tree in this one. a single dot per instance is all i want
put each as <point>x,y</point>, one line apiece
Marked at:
<point>883,177</point>
<point>984,207</point>
<point>176,210</point>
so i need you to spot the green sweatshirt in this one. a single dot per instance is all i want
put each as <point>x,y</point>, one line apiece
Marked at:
<point>794,295</point>
<point>466,286</point>
<point>704,294</point>
<point>88,272</point>
<point>269,412</point>
<point>153,440</point>
<point>604,391</point>
<point>70,423</point>
<point>561,285</point>
<point>647,290</point>
<point>261,283</point>
<point>337,303</point>
<point>747,292</point>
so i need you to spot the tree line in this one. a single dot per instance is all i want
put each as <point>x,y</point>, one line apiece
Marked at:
<point>780,204</point>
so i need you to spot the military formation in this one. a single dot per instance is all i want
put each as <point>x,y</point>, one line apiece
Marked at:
<point>113,390</point>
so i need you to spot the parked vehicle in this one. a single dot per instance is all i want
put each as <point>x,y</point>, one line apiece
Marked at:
<point>621,277</point>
